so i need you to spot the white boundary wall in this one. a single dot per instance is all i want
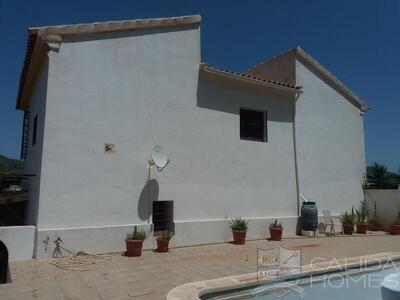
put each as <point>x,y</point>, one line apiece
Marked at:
<point>387,204</point>
<point>19,241</point>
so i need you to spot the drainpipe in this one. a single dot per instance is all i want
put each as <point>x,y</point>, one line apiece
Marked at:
<point>295,162</point>
<point>296,166</point>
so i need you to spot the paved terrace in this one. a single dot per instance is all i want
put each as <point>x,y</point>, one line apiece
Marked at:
<point>154,274</point>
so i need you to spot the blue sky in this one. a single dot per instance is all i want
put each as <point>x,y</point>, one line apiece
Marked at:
<point>359,41</point>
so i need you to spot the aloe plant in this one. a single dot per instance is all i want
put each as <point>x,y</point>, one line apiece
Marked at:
<point>238,224</point>
<point>276,224</point>
<point>167,235</point>
<point>349,218</point>
<point>373,218</point>
<point>137,234</point>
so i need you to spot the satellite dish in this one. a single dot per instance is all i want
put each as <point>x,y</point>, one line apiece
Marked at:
<point>159,157</point>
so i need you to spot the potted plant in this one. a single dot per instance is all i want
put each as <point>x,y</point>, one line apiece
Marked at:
<point>361,216</point>
<point>348,221</point>
<point>134,242</point>
<point>163,240</point>
<point>239,228</point>
<point>275,231</point>
<point>374,222</point>
<point>394,228</point>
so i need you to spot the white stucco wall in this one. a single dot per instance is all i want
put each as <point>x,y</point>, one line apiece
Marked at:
<point>140,89</point>
<point>111,90</point>
<point>105,239</point>
<point>19,241</point>
<point>330,144</point>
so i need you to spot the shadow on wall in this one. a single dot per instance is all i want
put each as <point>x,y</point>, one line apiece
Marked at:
<point>228,96</point>
<point>148,195</point>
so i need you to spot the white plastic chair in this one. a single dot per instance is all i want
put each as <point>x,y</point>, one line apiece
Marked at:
<point>329,220</point>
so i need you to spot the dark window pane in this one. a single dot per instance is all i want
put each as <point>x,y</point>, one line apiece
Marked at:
<point>252,125</point>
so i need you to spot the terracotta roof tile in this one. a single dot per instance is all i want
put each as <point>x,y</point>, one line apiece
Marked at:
<point>251,77</point>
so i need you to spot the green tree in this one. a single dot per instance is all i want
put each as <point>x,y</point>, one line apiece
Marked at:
<point>378,175</point>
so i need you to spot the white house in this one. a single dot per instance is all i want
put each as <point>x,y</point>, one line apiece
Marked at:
<point>241,144</point>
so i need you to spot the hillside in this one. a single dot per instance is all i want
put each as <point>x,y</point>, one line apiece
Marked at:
<point>10,166</point>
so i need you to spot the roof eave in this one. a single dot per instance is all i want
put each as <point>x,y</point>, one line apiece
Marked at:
<point>100,27</point>
<point>33,55</point>
<point>331,78</point>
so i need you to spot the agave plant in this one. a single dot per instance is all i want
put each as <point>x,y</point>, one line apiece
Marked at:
<point>238,224</point>
<point>362,212</point>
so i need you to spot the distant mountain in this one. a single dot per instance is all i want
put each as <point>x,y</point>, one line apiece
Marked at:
<point>10,166</point>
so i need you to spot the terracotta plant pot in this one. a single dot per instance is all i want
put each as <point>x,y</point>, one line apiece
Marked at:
<point>362,228</point>
<point>348,229</point>
<point>239,237</point>
<point>133,247</point>
<point>394,229</point>
<point>275,233</point>
<point>162,245</point>
<point>374,226</point>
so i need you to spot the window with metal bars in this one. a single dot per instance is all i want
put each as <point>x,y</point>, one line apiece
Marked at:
<point>25,135</point>
<point>163,215</point>
<point>34,135</point>
<point>253,125</point>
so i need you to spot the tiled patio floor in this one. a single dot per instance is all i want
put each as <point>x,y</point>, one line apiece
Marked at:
<point>154,274</point>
